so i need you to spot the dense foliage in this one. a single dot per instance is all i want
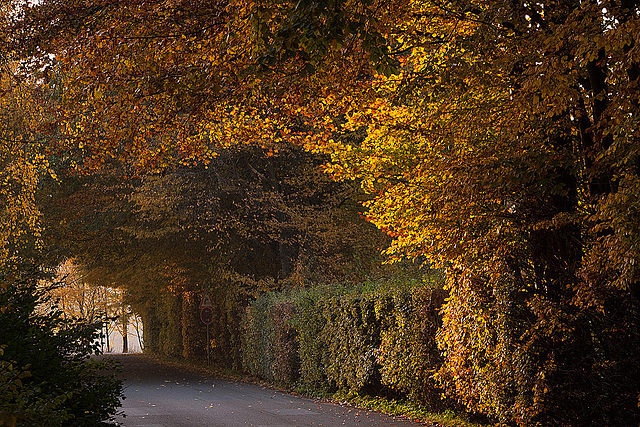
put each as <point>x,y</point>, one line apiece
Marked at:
<point>506,151</point>
<point>248,222</point>
<point>374,338</point>
<point>46,377</point>
<point>496,140</point>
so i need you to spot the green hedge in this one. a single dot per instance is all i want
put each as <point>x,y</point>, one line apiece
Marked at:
<point>309,323</point>
<point>257,337</point>
<point>408,353</point>
<point>270,340</point>
<point>352,339</point>
<point>361,338</point>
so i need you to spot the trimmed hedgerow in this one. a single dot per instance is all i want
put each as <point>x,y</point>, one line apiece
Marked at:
<point>170,334</point>
<point>352,336</point>
<point>408,353</point>
<point>285,361</point>
<point>362,338</point>
<point>269,344</point>
<point>257,337</point>
<point>309,323</point>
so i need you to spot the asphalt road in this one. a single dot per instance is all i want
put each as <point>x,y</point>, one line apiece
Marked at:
<point>164,396</point>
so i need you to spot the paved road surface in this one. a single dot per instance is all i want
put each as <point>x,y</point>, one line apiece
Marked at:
<point>162,396</point>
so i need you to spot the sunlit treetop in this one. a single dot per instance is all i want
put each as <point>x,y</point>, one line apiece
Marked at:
<point>176,79</point>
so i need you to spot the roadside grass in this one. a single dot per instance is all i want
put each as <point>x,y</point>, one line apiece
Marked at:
<point>406,408</point>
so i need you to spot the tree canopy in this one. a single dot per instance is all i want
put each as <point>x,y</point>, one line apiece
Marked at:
<point>496,140</point>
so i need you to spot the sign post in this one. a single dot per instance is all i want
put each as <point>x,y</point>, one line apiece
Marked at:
<point>206,315</point>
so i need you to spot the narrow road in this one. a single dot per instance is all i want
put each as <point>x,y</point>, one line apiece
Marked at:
<point>163,396</point>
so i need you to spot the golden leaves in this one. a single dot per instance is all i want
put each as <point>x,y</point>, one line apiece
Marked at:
<point>23,163</point>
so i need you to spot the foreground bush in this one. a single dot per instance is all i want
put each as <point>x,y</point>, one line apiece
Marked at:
<point>45,375</point>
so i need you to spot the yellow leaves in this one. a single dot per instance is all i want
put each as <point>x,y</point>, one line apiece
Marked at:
<point>22,164</point>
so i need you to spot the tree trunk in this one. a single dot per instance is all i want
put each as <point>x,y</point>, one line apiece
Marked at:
<point>125,338</point>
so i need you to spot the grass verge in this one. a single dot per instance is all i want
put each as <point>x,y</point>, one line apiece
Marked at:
<point>408,409</point>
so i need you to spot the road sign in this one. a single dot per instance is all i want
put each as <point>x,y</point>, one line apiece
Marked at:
<point>206,302</point>
<point>206,315</point>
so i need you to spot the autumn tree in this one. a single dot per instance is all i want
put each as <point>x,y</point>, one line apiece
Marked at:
<point>198,74</point>
<point>75,297</point>
<point>506,151</point>
<point>248,221</point>
<point>498,141</point>
<point>44,374</point>
<point>21,166</point>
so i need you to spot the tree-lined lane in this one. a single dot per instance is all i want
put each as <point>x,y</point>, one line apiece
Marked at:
<point>163,396</point>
